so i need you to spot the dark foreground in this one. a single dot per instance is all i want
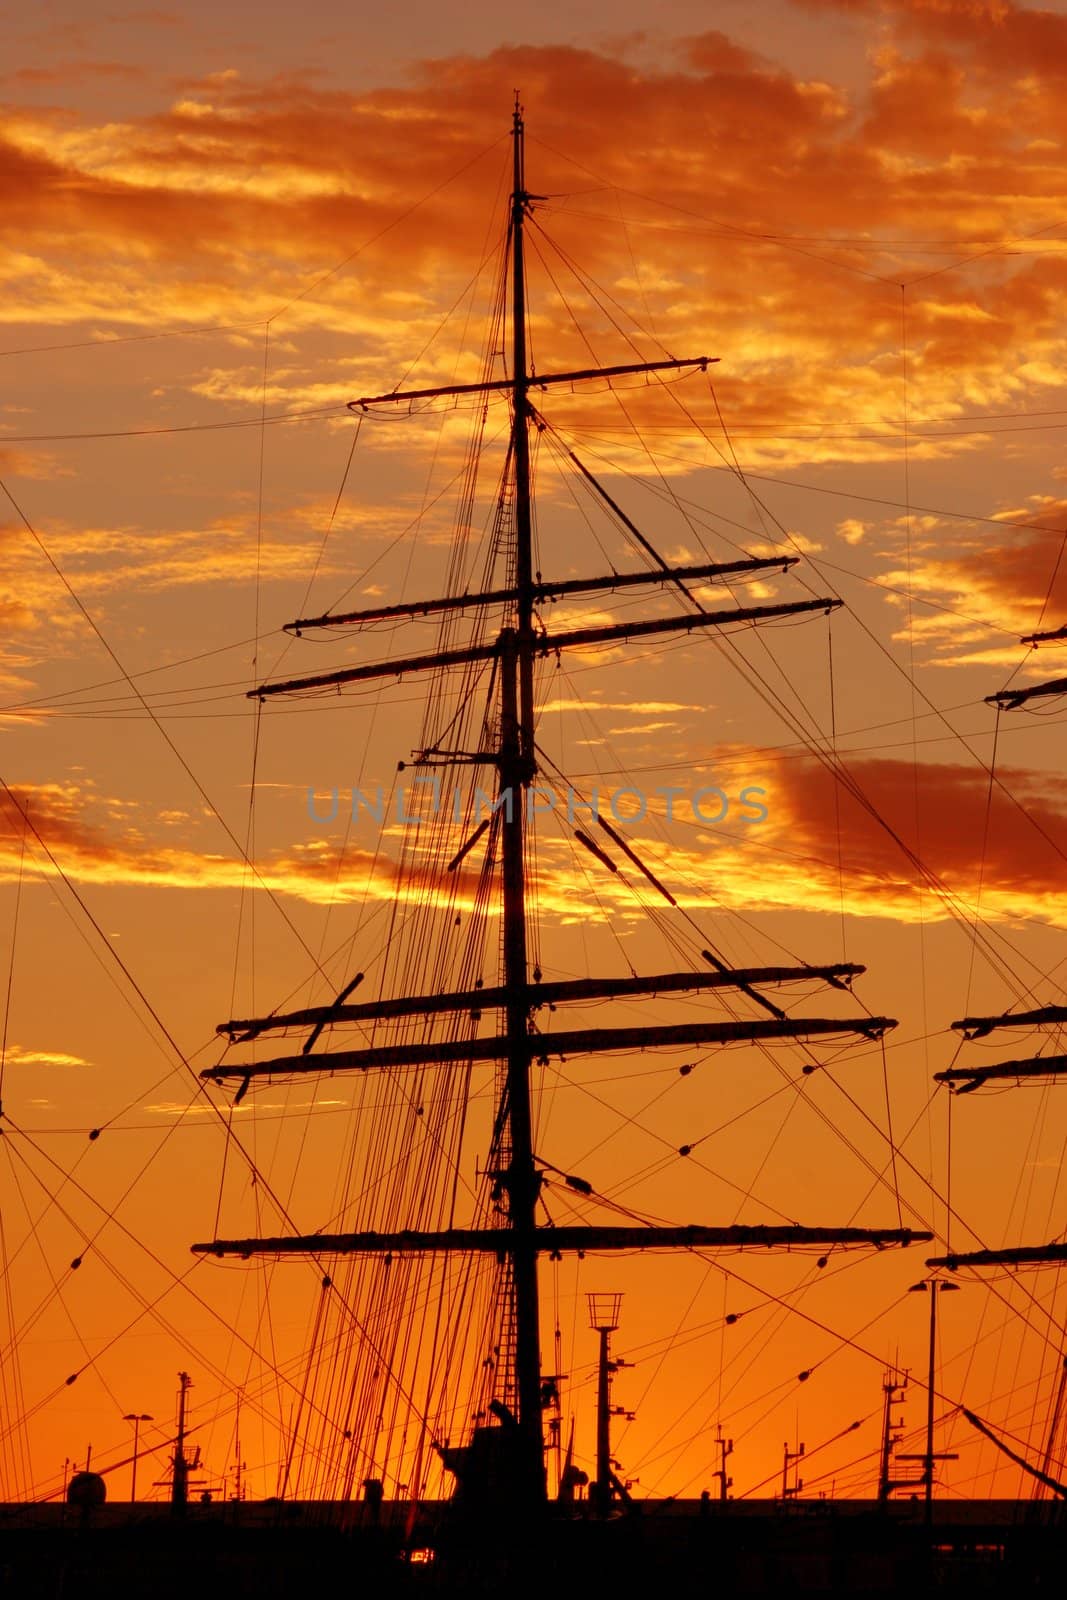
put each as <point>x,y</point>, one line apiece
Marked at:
<point>686,1548</point>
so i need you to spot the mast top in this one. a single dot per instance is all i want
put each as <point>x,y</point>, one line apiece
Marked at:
<point>518,130</point>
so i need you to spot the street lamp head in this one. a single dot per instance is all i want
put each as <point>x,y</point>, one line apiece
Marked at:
<point>138,1416</point>
<point>604,1311</point>
<point>918,1288</point>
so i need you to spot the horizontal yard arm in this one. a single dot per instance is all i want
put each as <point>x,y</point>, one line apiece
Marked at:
<point>499,1241</point>
<point>537,994</point>
<point>577,1042</point>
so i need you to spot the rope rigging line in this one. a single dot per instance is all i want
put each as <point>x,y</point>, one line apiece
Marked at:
<point>16,1465</point>
<point>729,229</point>
<point>181,1058</point>
<point>176,1280</point>
<point>905,371</point>
<point>257,1177</point>
<point>984,853</point>
<point>840,494</point>
<point>431,740</point>
<point>842,773</point>
<point>308,415</point>
<point>794,1083</point>
<point>182,762</point>
<point>323,277</point>
<point>11,963</point>
<point>894,1150</point>
<point>837,794</point>
<point>431,194</point>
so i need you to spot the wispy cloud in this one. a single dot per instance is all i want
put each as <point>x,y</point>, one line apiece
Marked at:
<point>20,1056</point>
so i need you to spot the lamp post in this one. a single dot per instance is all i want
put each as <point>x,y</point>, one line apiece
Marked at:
<point>931,1286</point>
<point>136,1417</point>
<point>604,1319</point>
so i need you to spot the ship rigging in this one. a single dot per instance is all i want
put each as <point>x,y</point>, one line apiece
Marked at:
<point>439,1027</point>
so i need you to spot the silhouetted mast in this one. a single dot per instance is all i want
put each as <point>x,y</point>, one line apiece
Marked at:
<point>516,765</point>
<point>517,1044</point>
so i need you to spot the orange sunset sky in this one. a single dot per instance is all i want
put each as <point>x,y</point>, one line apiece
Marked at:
<point>220,224</point>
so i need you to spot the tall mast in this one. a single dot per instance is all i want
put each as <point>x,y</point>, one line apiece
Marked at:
<point>521,639</point>
<point>516,772</point>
